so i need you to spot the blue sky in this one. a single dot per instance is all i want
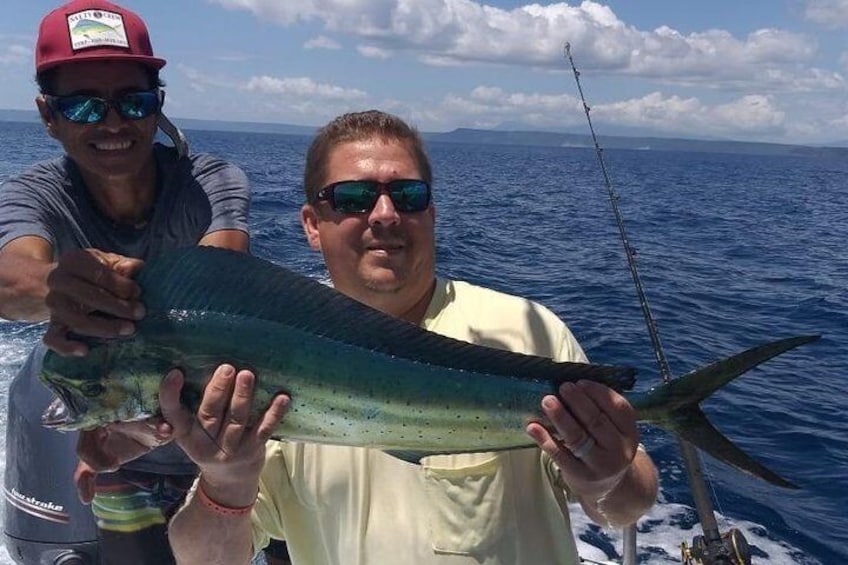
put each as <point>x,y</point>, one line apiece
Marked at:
<point>767,70</point>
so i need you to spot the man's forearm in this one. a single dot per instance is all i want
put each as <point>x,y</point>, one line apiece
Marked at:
<point>23,287</point>
<point>200,536</point>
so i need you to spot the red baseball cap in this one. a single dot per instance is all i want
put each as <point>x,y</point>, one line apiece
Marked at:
<point>93,30</point>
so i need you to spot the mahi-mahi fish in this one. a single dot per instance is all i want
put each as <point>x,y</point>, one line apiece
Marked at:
<point>356,376</point>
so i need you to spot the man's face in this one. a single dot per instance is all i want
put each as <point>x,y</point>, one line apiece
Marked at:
<point>383,258</point>
<point>115,147</point>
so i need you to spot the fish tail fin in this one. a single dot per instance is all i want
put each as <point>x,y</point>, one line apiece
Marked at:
<point>674,406</point>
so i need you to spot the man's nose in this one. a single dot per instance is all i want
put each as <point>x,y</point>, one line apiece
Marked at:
<point>113,118</point>
<point>384,211</point>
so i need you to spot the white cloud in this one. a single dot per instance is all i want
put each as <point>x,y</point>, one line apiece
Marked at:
<point>829,13</point>
<point>485,106</point>
<point>199,81</point>
<point>233,58</point>
<point>750,115</point>
<point>322,42</point>
<point>15,55</point>
<point>304,99</point>
<point>264,98</point>
<point>372,52</point>
<point>841,122</point>
<point>451,32</point>
<point>302,87</point>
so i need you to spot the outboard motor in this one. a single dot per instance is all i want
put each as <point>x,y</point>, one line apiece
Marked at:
<point>45,523</point>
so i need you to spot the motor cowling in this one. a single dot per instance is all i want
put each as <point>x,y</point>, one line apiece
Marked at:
<point>44,521</point>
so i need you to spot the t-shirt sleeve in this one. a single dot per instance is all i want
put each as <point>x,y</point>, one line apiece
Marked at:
<point>228,190</point>
<point>569,349</point>
<point>24,210</point>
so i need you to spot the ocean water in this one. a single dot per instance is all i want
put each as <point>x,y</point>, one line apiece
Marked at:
<point>733,251</point>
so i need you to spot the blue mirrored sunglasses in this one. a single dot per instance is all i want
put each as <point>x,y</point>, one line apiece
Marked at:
<point>358,196</point>
<point>85,109</point>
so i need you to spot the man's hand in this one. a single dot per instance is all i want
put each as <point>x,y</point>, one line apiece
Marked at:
<point>91,292</point>
<point>594,437</point>
<point>594,443</point>
<point>229,453</point>
<point>105,449</point>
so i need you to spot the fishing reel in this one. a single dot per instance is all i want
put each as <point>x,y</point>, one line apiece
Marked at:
<point>733,550</point>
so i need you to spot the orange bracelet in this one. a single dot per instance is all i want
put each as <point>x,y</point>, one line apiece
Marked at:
<point>218,508</point>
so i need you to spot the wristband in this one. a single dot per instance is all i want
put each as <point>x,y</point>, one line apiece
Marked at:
<point>220,509</point>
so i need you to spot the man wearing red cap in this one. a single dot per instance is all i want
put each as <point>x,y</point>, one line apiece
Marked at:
<point>74,230</point>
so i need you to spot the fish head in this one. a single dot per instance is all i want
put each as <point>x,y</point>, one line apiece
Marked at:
<point>115,382</point>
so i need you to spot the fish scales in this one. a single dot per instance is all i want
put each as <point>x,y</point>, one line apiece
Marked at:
<point>341,394</point>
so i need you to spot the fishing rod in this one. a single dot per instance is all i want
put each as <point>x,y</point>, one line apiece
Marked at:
<point>711,548</point>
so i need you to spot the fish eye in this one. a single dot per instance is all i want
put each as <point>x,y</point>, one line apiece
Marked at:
<point>90,390</point>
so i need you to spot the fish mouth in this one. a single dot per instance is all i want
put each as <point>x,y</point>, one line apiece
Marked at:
<point>62,412</point>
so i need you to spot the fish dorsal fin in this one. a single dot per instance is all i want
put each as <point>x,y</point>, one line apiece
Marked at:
<point>229,282</point>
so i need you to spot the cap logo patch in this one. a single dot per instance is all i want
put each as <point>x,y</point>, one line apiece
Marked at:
<point>96,28</point>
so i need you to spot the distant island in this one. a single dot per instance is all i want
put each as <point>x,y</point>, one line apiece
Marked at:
<point>510,137</point>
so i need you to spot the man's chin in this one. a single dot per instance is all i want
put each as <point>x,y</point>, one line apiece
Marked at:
<point>384,286</point>
<point>384,281</point>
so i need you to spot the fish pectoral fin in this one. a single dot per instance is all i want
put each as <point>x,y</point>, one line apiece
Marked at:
<point>413,457</point>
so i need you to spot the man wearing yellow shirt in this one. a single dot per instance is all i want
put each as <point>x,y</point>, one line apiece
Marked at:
<point>369,211</point>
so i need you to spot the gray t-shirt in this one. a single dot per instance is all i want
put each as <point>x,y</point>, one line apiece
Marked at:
<point>196,196</point>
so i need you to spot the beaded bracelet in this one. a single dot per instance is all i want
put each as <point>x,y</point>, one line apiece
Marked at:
<point>218,508</point>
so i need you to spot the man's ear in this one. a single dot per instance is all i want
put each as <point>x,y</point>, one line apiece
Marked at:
<point>47,115</point>
<point>309,220</point>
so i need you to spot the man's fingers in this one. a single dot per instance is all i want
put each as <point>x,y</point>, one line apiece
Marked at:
<point>147,434</point>
<point>126,266</point>
<point>272,417</point>
<point>175,414</point>
<point>620,413</point>
<point>100,292</point>
<point>91,293</point>
<point>216,399</point>
<point>106,270</point>
<point>547,442</point>
<point>56,338</point>
<point>84,478</point>
<point>91,451</point>
<point>237,417</point>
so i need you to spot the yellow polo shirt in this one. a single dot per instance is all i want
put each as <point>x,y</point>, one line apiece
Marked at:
<point>357,506</point>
